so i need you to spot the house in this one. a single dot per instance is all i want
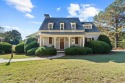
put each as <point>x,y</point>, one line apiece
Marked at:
<point>65,32</point>
<point>1,39</point>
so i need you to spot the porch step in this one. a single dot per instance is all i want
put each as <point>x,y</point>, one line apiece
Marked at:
<point>60,51</point>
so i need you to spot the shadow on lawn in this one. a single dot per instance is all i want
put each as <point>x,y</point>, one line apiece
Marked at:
<point>118,57</point>
<point>8,63</point>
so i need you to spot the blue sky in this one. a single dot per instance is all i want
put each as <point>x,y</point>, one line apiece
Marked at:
<point>26,16</point>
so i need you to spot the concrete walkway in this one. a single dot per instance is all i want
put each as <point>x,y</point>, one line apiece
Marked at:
<point>29,59</point>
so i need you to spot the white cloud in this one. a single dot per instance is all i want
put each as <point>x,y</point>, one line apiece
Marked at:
<point>83,11</point>
<point>36,22</point>
<point>21,5</point>
<point>24,6</point>
<point>73,9</point>
<point>23,32</point>
<point>58,9</point>
<point>29,15</point>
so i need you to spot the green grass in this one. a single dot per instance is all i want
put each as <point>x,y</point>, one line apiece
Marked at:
<point>16,56</point>
<point>108,68</point>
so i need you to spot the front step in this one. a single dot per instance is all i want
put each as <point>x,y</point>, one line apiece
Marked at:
<point>60,51</point>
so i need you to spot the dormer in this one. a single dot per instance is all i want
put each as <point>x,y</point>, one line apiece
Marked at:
<point>61,26</point>
<point>73,25</point>
<point>50,25</point>
<point>87,26</point>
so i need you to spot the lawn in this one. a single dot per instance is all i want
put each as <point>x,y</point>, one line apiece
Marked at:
<point>109,68</point>
<point>16,56</point>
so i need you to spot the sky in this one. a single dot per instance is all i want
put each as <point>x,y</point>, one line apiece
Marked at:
<point>26,16</point>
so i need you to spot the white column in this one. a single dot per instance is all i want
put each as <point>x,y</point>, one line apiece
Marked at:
<point>80,41</point>
<point>40,42</point>
<point>43,41</point>
<point>69,41</point>
<point>83,40</point>
<point>54,42</point>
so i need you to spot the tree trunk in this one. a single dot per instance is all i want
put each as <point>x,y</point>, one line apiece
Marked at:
<point>116,40</point>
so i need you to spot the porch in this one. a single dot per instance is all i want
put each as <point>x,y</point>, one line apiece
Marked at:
<point>61,42</point>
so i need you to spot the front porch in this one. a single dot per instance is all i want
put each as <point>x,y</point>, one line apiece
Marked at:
<point>61,42</point>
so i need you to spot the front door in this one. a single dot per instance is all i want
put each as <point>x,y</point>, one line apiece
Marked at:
<point>61,43</point>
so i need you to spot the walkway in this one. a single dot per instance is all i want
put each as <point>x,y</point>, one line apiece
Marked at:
<point>34,58</point>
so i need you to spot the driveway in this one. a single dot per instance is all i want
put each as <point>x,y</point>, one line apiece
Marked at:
<point>29,59</point>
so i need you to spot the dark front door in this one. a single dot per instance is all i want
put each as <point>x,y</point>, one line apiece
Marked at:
<point>61,43</point>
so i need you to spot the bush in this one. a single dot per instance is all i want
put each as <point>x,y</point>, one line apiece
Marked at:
<point>99,47</point>
<point>75,50</point>
<point>32,51</point>
<point>20,47</point>
<point>106,39</point>
<point>5,47</point>
<point>41,51</point>
<point>31,39</point>
<point>31,45</point>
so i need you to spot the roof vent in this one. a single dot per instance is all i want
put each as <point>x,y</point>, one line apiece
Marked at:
<point>46,15</point>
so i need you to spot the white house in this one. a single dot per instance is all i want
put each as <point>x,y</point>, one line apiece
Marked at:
<point>1,39</point>
<point>65,32</point>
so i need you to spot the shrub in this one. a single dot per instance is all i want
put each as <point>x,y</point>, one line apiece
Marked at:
<point>32,51</point>
<point>41,51</point>
<point>31,45</point>
<point>99,47</point>
<point>106,39</point>
<point>31,39</point>
<point>20,47</point>
<point>75,50</point>
<point>5,47</point>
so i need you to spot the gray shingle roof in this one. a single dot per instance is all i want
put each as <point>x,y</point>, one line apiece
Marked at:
<point>94,28</point>
<point>63,33</point>
<point>57,21</point>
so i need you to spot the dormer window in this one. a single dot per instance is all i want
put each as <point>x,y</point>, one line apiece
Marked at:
<point>73,26</point>
<point>87,26</point>
<point>61,26</point>
<point>50,26</point>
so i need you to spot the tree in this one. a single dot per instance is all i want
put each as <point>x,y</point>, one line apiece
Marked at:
<point>112,18</point>
<point>1,31</point>
<point>13,35</point>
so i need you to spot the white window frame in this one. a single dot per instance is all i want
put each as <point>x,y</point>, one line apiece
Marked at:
<point>61,27</point>
<point>73,28</point>
<point>87,26</point>
<point>50,28</point>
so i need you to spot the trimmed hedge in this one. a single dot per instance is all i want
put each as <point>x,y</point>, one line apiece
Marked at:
<point>99,47</point>
<point>41,51</point>
<point>31,39</point>
<point>32,51</point>
<point>5,47</point>
<point>106,39</point>
<point>31,45</point>
<point>20,47</point>
<point>75,50</point>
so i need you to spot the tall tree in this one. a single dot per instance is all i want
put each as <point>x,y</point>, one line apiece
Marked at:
<point>1,31</point>
<point>13,37</point>
<point>113,17</point>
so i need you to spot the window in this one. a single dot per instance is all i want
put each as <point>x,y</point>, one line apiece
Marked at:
<point>61,26</point>
<point>73,26</point>
<point>87,26</point>
<point>50,26</point>
<point>89,39</point>
<point>76,40</point>
<point>50,40</point>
